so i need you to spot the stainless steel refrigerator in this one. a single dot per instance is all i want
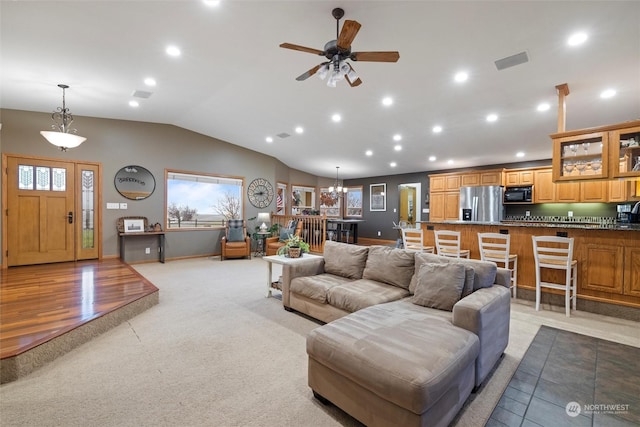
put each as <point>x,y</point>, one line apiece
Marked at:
<point>481,204</point>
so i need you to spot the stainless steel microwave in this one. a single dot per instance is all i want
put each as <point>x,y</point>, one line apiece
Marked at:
<point>518,194</point>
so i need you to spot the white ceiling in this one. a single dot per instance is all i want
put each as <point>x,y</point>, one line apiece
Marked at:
<point>234,83</point>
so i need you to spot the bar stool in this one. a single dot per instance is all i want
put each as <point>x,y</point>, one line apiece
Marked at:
<point>448,244</point>
<point>413,240</point>
<point>556,253</point>
<point>345,231</point>
<point>496,247</point>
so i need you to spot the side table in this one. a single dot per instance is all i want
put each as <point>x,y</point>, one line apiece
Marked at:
<point>262,247</point>
<point>284,261</point>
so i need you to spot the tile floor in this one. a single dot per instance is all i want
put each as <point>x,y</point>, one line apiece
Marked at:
<point>562,367</point>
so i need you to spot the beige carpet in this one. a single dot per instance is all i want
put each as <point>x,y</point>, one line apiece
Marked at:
<point>216,352</point>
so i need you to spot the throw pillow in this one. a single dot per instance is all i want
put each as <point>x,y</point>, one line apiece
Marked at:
<point>236,235</point>
<point>285,233</point>
<point>439,285</point>
<point>343,259</point>
<point>391,266</point>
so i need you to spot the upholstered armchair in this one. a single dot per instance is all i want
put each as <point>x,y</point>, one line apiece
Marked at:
<point>275,243</point>
<point>235,242</point>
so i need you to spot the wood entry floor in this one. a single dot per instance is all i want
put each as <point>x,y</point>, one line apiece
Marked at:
<point>43,302</point>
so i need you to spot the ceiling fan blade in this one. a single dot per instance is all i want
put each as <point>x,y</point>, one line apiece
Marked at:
<point>356,81</point>
<point>376,56</point>
<point>302,48</point>
<point>348,33</point>
<point>311,72</point>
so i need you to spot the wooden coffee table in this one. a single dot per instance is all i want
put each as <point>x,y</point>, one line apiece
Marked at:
<point>283,260</point>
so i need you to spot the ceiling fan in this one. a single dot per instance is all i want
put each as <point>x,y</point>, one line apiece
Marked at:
<point>338,51</point>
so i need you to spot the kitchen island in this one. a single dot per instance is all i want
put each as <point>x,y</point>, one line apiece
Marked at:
<point>608,258</point>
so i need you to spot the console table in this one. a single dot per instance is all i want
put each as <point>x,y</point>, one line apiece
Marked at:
<point>160,235</point>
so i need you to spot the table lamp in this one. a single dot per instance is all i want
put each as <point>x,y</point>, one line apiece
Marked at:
<point>264,218</point>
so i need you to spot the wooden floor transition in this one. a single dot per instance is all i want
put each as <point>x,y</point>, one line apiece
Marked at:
<point>41,303</point>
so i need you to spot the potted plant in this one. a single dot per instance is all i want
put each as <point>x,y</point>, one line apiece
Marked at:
<point>294,246</point>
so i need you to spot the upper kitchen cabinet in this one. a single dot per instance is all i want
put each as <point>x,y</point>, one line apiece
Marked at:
<point>598,153</point>
<point>624,148</point>
<point>580,157</point>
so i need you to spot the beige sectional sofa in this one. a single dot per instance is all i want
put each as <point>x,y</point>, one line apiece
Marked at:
<point>408,335</point>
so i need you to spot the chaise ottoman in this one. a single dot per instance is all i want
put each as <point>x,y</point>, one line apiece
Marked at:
<point>394,364</point>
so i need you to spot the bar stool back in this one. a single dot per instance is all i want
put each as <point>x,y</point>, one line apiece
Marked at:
<point>448,244</point>
<point>496,247</point>
<point>556,253</point>
<point>413,240</point>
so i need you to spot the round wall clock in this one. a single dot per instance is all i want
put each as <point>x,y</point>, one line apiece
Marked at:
<point>260,193</point>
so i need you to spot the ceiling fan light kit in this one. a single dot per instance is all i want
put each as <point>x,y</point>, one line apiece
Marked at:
<point>338,51</point>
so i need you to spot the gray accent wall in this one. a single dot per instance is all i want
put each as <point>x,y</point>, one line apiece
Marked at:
<point>117,143</point>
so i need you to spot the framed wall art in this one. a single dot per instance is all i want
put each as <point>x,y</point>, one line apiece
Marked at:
<point>378,197</point>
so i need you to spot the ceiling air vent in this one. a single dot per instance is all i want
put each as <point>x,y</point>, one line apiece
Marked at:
<point>512,61</point>
<point>141,94</point>
<point>283,135</point>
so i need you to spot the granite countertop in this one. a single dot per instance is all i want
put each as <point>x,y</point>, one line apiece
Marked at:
<point>554,224</point>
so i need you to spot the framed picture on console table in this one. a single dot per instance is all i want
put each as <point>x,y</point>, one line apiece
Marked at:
<point>378,197</point>
<point>134,226</point>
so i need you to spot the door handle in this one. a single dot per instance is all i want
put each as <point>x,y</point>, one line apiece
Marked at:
<point>70,217</point>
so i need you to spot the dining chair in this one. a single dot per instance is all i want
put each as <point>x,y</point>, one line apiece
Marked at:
<point>556,253</point>
<point>413,240</point>
<point>496,247</point>
<point>448,244</point>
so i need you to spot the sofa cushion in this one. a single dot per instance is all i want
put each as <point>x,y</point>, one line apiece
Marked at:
<point>388,265</point>
<point>403,355</point>
<point>344,260</point>
<point>363,293</point>
<point>316,287</point>
<point>439,285</point>
<point>484,271</point>
<point>236,235</point>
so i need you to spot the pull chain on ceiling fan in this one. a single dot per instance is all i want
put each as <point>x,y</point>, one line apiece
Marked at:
<point>338,51</point>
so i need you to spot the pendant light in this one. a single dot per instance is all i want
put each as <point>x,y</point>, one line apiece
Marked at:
<point>62,135</point>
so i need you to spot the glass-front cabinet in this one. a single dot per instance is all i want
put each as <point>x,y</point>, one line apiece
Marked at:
<point>607,152</point>
<point>581,157</point>
<point>625,152</point>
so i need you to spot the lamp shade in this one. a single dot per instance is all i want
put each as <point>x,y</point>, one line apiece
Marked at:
<point>264,218</point>
<point>62,139</point>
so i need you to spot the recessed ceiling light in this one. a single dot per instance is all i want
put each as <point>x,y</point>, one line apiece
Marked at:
<point>450,162</point>
<point>150,81</point>
<point>461,76</point>
<point>336,118</point>
<point>543,106</point>
<point>432,158</point>
<point>393,164</point>
<point>397,137</point>
<point>437,129</point>
<point>173,51</point>
<point>269,139</point>
<point>134,104</point>
<point>520,154</point>
<point>398,147</point>
<point>211,3</point>
<point>577,39</point>
<point>608,93</point>
<point>299,129</point>
<point>387,101</point>
<point>369,153</point>
<point>492,117</point>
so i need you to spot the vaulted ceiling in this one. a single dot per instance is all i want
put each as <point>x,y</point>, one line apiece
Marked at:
<point>233,82</point>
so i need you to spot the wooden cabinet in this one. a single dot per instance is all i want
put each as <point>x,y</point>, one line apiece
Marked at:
<point>452,206</point>
<point>436,183</point>
<point>444,196</point>
<point>619,190</point>
<point>632,271</point>
<point>603,268</point>
<point>580,157</point>
<point>515,178</point>
<point>436,207</point>
<point>594,191</point>
<point>470,180</point>
<point>491,177</point>
<point>452,183</point>
<point>544,189</point>
<point>624,148</point>
<point>567,192</point>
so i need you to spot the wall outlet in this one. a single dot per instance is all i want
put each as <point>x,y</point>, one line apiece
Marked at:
<point>394,210</point>
<point>570,214</point>
<point>379,234</point>
<point>147,251</point>
<point>527,213</point>
<point>123,206</point>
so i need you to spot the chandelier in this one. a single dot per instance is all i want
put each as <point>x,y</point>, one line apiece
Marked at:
<point>336,189</point>
<point>62,136</point>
